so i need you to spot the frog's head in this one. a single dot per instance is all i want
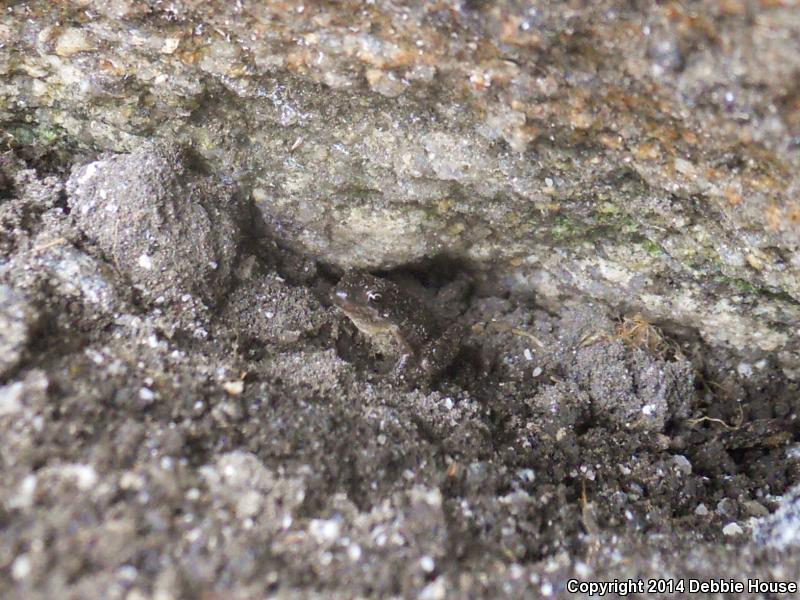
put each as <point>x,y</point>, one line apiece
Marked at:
<point>363,295</point>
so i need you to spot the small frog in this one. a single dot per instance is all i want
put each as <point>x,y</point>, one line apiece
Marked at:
<point>399,324</point>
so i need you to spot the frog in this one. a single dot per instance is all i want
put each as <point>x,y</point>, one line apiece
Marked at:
<point>398,324</point>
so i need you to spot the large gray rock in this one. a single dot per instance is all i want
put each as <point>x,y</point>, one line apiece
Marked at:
<point>172,229</point>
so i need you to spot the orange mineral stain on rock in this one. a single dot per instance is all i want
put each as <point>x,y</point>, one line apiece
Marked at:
<point>794,214</point>
<point>647,151</point>
<point>733,197</point>
<point>774,217</point>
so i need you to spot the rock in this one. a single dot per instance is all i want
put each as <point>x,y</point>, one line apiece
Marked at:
<point>157,217</point>
<point>17,318</point>
<point>781,529</point>
<point>31,391</point>
<point>75,274</point>
<point>11,398</point>
<point>633,388</point>
<point>732,529</point>
<point>71,41</point>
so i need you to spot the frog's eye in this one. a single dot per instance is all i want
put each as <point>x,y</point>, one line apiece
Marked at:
<point>372,295</point>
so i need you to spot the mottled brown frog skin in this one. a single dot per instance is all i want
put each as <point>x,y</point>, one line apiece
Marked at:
<point>398,323</point>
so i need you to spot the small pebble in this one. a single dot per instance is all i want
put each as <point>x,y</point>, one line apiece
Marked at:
<point>732,529</point>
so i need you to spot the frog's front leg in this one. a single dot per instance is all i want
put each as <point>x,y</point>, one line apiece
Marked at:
<point>421,369</point>
<point>440,353</point>
<point>405,373</point>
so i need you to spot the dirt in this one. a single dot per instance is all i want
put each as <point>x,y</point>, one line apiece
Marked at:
<point>204,423</point>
